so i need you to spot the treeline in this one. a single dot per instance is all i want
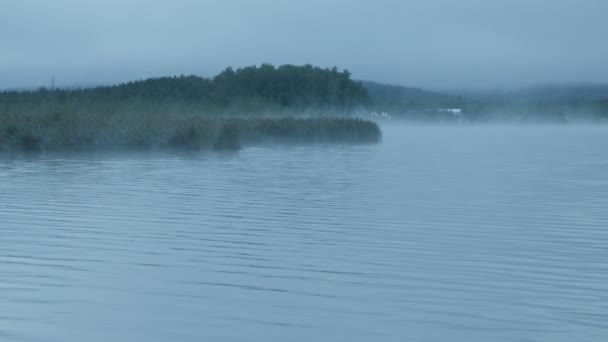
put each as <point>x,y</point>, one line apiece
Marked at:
<point>268,91</point>
<point>248,90</point>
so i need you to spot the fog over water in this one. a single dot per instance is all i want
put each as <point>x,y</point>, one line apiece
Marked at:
<point>427,43</point>
<point>470,233</point>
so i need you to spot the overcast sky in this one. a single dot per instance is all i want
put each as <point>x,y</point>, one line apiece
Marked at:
<point>426,43</point>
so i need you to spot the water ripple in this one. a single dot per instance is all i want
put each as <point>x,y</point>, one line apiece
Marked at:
<point>478,233</point>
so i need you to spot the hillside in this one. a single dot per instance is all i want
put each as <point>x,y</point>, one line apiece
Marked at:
<point>247,90</point>
<point>399,97</point>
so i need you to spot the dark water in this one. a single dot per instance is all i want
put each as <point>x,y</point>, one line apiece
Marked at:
<point>436,234</point>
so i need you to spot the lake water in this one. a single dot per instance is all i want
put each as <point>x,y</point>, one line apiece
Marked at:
<point>435,234</point>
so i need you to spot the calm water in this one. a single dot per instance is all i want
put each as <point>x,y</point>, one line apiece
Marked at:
<point>436,234</point>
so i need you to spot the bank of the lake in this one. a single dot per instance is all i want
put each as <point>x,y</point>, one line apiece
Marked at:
<point>73,132</point>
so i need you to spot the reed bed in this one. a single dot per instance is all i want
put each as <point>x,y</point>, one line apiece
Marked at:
<point>94,131</point>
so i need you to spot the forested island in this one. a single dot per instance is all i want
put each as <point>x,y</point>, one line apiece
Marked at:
<point>258,104</point>
<point>235,108</point>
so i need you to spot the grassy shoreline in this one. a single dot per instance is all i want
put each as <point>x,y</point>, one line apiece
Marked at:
<point>78,132</point>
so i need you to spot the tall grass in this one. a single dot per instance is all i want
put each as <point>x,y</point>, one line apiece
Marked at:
<point>82,130</point>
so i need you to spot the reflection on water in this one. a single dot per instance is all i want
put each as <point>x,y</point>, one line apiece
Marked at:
<point>463,234</point>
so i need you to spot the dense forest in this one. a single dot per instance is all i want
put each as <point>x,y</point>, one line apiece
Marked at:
<point>250,90</point>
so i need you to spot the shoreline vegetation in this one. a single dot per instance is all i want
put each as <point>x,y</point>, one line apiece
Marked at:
<point>57,132</point>
<point>236,108</point>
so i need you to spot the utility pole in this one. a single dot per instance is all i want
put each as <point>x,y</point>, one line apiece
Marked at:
<point>53,82</point>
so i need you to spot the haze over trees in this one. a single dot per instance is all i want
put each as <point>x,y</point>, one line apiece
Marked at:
<point>248,105</point>
<point>542,104</point>
<point>193,111</point>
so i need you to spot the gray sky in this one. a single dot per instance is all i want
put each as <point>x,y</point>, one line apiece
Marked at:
<point>427,43</point>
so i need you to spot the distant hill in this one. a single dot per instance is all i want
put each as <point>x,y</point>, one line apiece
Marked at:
<point>579,92</point>
<point>540,104</point>
<point>395,97</point>
<point>544,93</point>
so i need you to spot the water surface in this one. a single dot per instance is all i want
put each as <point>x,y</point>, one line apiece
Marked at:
<point>435,234</point>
